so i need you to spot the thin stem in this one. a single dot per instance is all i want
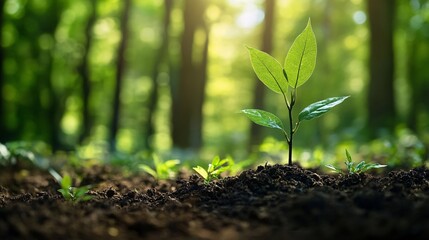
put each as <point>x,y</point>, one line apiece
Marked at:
<point>285,99</point>
<point>286,136</point>
<point>296,127</point>
<point>291,135</point>
<point>288,107</point>
<point>291,129</point>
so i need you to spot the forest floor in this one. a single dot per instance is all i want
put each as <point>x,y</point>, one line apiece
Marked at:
<point>269,202</point>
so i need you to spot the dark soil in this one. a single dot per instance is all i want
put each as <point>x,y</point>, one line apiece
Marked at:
<point>270,202</point>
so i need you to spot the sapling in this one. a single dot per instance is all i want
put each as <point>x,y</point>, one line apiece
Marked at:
<point>161,169</point>
<point>214,169</point>
<point>358,168</point>
<point>298,66</point>
<point>70,193</point>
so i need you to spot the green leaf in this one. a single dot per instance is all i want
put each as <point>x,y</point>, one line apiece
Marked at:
<point>263,118</point>
<point>56,175</point>
<point>210,168</point>
<point>201,171</point>
<point>359,167</point>
<point>224,162</point>
<point>338,170</point>
<point>66,182</point>
<point>156,160</point>
<point>301,58</point>
<point>79,191</point>
<point>221,170</point>
<point>372,166</point>
<point>65,193</point>
<point>376,165</point>
<point>216,173</point>
<point>268,70</point>
<point>149,170</point>
<point>215,161</point>
<point>169,164</point>
<point>318,108</point>
<point>86,198</point>
<point>349,157</point>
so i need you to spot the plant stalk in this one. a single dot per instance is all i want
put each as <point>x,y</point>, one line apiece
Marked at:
<point>290,141</point>
<point>291,130</point>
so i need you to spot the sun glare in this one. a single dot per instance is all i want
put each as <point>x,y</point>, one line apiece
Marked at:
<point>251,14</point>
<point>250,17</point>
<point>359,17</point>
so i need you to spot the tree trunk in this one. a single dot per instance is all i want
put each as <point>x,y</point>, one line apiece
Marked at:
<point>120,69</point>
<point>417,77</point>
<point>55,111</point>
<point>84,71</point>
<point>159,60</point>
<point>187,105</point>
<point>196,132</point>
<point>414,83</point>
<point>3,128</point>
<point>260,89</point>
<point>381,101</point>
<point>39,111</point>
<point>51,117</point>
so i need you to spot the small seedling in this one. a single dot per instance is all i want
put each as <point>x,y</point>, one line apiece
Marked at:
<point>70,193</point>
<point>298,67</point>
<point>355,169</point>
<point>162,169</point>
<point>215,168</point>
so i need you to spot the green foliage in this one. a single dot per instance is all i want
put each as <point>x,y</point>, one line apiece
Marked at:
<point>214,169</point>
<point>268,70</point>
<point>353,168</point>
<point>298,67</point>
<point>59,52</point>
<point>70,193</point>
<point>263,118</point>
<point>12,153</point>
<point>301,58</point>
<point>403,149</point>
<point>161,169</point>
<point>318,108</point>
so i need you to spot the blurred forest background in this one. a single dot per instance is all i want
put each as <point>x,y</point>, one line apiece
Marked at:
<point>158,75</point>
